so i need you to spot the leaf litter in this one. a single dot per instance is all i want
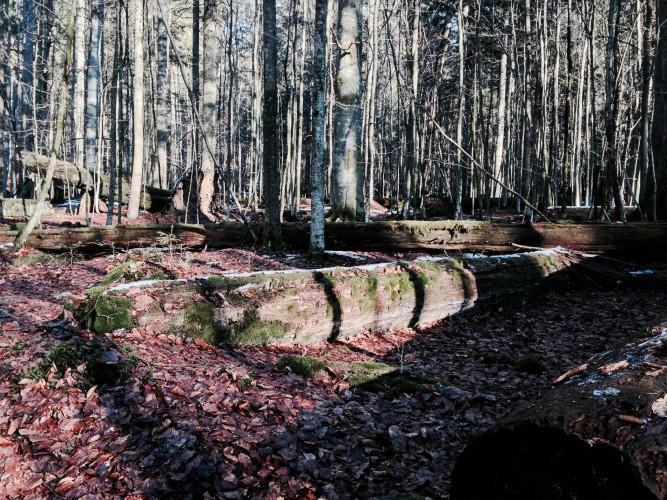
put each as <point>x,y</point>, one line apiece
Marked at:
<point>195,421</point>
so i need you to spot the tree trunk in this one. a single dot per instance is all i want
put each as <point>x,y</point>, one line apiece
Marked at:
<point>659,135</point>
<point>137,112</point>
<point>209,112</point>
<point>411,236</point>
<point>348,171</point>
<point>316,250</point>
<point>272,231</point>
<point>599,434</point>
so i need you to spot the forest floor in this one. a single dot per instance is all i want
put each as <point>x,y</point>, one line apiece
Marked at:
<point>193,420</point>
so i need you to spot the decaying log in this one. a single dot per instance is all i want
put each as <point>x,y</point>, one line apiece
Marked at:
<point>435,237</point>
<point>17,207</point>
<point>298,307</point>
<point>153,199</point>
<point>600,433</point>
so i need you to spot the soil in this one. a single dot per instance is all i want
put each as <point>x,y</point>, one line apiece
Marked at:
<point>196,421</point>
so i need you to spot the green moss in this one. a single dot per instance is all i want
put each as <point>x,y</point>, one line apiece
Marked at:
<point>117,274</point>
<point>392,384</point>
<point>17,347</point>
<point>111,313</point>
<point>302,365</point>
<point>254,331</point>
<point>199,322</point>
<point>105,363</point>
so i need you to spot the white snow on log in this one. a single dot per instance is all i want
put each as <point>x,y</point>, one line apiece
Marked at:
<point>349,255</point>
<point>607,391</point>
<point>139,284</point>
<point>639,273</point>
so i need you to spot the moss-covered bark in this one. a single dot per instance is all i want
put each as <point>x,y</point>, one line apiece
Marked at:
<point>302,307</point>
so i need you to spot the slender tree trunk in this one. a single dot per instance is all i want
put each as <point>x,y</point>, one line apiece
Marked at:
<point>137,112</point>
<point>162,100</point>
<point>316,250</point>
<point>272,231</point>
<point>209,113</point>
<point>659,135</point>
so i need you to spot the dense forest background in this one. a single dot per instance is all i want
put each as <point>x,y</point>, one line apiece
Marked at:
<point>502,102</point>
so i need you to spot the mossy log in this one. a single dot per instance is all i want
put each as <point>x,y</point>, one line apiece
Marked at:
<point>403,236</point>
<point>18,207</point>
<point>600,433</point>
<point>298,307</point>
<point>152,199</point>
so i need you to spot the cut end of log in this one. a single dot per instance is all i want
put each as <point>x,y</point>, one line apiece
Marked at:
<point>529,461</point>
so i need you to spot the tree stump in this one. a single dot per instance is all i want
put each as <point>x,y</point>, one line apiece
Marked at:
<point>601,433</point>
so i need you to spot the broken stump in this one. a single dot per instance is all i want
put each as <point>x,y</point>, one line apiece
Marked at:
<point>601,433</point>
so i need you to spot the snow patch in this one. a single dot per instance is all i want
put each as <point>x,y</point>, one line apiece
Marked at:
<point>639,273</point>
<point>607,391</point>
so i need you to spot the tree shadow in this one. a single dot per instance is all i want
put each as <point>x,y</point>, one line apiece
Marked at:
<point>333,303</point>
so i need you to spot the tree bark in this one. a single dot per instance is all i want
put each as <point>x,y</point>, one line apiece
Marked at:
<point>272,230</point>
<point>316,250</point>
<point>348,171</point>
<point>599,434</point>
<point>301,307</point>
<point>635,240</point>
<point>137,112</point>
<point>209,112</point>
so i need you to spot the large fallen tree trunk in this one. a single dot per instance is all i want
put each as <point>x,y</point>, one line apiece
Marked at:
<point>436,237</point>
<point>297,307</point>
<point>602,433</point>
<point>153,199</point>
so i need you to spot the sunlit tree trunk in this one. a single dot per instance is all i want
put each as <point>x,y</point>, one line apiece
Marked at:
<point>209,112</point>
<point>137,112</point>
<point>348,170</point>
<point>316,250</point>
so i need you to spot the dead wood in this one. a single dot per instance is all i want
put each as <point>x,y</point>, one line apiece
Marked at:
<point>301,307</point>
<point>601,433</point>
<point>153,199</point>
<point>404,236</point>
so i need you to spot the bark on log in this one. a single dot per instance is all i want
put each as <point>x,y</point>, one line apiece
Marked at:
<point>155,199</point>
<point>298,307</point>
<point>601,433</point>
<point>18,207</point>
<point>436,237</point>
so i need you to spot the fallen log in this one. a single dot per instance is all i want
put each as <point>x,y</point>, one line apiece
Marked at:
<point>405,236</point>
<point>18,207</point>
<point>152,199</point>
<point>600,433</point>
<point>299,307</point>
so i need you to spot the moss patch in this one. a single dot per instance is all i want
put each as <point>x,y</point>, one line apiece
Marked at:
<point>105,363</point>
<point>105,313</point>
<point>302,365</point>
<point>253,331</point>
<point>199,322</point>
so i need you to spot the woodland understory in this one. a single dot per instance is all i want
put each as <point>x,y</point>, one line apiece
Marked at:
<point>186,419</point>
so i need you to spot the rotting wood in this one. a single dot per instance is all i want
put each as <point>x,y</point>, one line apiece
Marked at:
<point>404,236</point>
<point>152,199</point>
<point>299,307</point>
<point>600,433</point>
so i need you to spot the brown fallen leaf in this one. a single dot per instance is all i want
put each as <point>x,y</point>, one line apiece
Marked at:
<point>632,420</point>
<point>569,374</point>
<point>614,367</point>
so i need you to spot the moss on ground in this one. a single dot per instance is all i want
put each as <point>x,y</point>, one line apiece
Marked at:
<point>105,363</point>
<point>105,313</point>
<point>302,365</point>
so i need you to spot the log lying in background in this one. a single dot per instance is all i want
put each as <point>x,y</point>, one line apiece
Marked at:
<point>153,199</point>
<point>17,207</point>
<point>297,307</point>
<point>602,433</point>
<point>405,236</point>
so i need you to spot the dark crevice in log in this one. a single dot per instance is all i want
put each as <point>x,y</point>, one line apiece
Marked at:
<point>530,462</point>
